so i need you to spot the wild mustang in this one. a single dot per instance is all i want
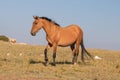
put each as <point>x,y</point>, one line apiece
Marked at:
<point>71,35</point>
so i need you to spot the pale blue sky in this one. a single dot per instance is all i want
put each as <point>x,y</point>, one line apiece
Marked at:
<point>99,19</point>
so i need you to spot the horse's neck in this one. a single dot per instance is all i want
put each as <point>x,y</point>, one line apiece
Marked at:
<point>50,29</point>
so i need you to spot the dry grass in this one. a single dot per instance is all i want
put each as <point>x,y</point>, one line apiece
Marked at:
<point>25,62</point>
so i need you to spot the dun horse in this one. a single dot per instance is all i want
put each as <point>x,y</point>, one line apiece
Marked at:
<point>71,35</point>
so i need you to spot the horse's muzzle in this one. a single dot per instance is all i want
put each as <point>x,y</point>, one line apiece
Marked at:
<point>33,34</point>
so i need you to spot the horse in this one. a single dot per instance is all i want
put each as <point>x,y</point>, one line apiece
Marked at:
<point>56,35</point>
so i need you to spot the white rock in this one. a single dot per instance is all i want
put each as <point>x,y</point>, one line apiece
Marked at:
<point>96,57</point>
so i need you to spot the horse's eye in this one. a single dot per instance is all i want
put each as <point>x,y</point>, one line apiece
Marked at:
<point>35,23</point>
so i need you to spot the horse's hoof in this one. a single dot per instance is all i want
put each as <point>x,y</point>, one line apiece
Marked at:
<point>74,63</point>
<point>46,64</point>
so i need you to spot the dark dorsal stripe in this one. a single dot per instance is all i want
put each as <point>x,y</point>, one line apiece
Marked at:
<point>48,19</point>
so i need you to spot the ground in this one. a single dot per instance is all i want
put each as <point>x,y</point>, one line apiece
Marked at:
<point>26,62</point>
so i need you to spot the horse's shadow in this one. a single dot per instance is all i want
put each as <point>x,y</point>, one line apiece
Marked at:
<point>51,63</point>
<point>59,63</point>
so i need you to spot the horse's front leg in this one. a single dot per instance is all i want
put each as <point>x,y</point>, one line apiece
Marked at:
<point>45,53</point>
<point>54,54</point>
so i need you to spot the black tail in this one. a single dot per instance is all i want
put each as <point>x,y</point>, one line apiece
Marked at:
<point>84,51</point>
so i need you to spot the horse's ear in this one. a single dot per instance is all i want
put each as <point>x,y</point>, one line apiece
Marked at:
<point>35,17</point>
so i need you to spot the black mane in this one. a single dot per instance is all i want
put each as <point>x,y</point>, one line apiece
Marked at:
<point>48,19</point>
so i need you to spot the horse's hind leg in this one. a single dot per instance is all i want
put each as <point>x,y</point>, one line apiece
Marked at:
<point>73,51</point>
<point>76,51</point>
<point>74,60</point>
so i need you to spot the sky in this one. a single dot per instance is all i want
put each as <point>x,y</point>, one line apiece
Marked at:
<point>99,20</point>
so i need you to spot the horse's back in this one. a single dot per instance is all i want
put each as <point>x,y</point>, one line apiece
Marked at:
<point>74,29</point>
<point>68,35</point>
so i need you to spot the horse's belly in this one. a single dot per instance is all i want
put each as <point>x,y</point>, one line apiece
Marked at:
<point>65,43</point>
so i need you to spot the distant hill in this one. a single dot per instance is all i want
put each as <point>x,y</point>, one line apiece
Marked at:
<point>4,38</point>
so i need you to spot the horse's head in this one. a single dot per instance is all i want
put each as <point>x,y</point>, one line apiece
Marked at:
<point>36,26</point>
